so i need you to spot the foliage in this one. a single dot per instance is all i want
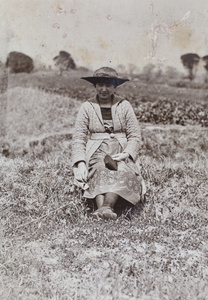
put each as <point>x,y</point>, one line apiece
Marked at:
<point>167,111</point>
<point>205,59</point>
<point>64,62</point>
<point>172,72</point>
<point>190,62</point>
<point>3,78</point>
<point>148,72</point>
<point>155,103</point>
<point>19,62</point>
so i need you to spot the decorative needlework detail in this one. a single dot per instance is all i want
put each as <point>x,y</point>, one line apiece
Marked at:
<point>106,177</point>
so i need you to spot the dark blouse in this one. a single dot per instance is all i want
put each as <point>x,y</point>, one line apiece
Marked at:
<point>106,113</point>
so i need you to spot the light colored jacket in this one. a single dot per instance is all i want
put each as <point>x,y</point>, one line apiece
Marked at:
<point>89,121</point>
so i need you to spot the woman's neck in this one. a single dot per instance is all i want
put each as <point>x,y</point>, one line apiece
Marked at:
<point>105,103</point>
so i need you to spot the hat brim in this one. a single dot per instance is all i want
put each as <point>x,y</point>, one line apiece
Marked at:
<point>114,80</point>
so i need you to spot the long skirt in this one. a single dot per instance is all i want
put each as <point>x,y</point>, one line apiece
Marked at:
<point>125,181</point>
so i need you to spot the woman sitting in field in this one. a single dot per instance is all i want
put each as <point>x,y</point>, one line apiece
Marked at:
<point>106,125</point>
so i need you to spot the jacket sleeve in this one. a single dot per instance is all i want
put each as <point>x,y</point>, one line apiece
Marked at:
<point>133,133</point>
<point>79,139</point>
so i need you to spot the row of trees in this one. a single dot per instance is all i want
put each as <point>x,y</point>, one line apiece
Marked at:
<point>18,62</point>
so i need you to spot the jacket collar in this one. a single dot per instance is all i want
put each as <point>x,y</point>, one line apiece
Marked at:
<point>115,99</point>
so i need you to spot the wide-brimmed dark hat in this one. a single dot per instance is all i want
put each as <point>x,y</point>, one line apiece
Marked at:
<point>107,75</point>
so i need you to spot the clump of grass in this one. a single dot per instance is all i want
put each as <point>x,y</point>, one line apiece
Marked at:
<point>173,141</point>
<point>39,193</point>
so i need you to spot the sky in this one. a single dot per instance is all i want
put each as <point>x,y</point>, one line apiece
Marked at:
<point>105,32</point>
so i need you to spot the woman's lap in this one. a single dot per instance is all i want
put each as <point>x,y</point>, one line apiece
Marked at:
<point>124,182</point>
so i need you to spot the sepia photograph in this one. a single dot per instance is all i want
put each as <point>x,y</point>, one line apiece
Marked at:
<point>103,150</point>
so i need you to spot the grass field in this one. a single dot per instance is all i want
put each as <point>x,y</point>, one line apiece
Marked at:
<point>51,248</point>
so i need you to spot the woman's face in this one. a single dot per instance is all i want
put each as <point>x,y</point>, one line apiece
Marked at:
<point>105,91</point>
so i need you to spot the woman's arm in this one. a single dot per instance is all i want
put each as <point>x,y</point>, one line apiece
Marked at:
<point>133,133</point>
<point>79,144</point>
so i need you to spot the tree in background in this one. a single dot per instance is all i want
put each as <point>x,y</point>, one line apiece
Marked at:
<point>132,70</point>
<point>18,62</point>
<point>205,59</point>
<point>171,72</point>
<point>64,62</point>
<point>121,69</point>
<point>190,62</point>
<point>3,78</point>
<point>148,72</point>
<point>3,104</point>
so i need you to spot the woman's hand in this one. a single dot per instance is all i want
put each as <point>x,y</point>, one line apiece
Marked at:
<point>120,156</point>
<point>81,173</point>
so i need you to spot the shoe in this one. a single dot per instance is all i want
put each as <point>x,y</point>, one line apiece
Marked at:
<point>109,214</point>
<point>98,213</point>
